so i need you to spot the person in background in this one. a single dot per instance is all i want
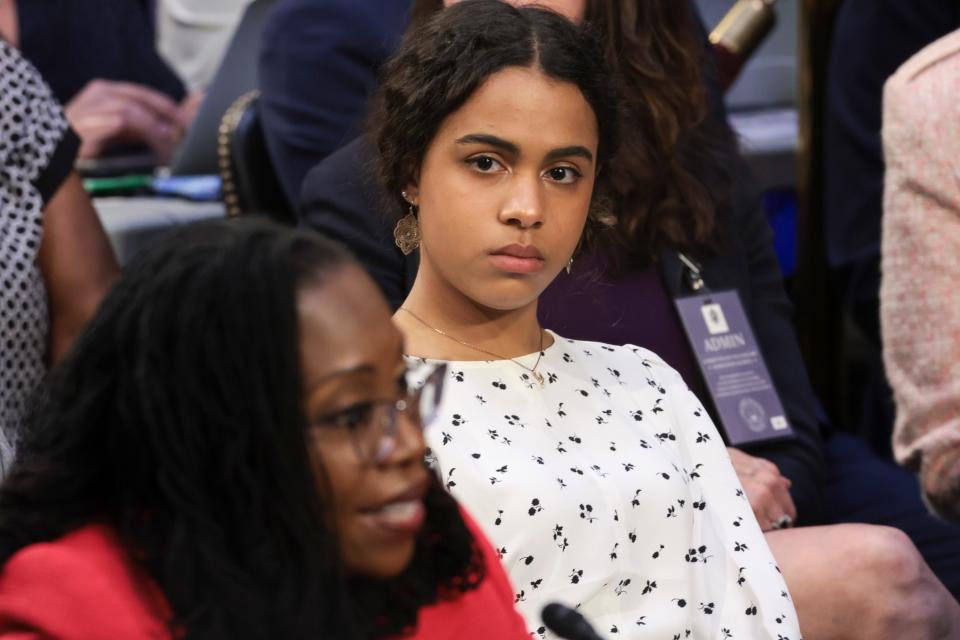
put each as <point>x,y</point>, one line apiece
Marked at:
<point>920,288</point>
<point>55,260</point>
<point>870,41</point>
<point>223,456</point>
<point>623,294</point>
<point>99,59</point>
<point>318,67</point>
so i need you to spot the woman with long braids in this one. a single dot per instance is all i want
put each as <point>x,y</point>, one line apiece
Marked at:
<point>596,473</point>
<point>231,451</point>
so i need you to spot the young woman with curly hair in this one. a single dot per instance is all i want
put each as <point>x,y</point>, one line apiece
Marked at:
<point>231,451</point>
<point>596,473</point>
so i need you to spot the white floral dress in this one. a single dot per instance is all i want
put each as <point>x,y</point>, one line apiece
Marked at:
<point>608,490</point>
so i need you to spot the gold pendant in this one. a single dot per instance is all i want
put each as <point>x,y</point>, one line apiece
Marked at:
<point>538,377</point>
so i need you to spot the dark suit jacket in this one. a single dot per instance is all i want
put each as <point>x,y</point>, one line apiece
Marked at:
<point>748,263</point>
<point>74,41</point>
<point>318,66</point>
<point>872,38</point>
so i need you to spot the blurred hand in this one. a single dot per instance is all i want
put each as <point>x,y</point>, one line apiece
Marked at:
<point>187,110</point>
<point>767,490</point>
<point>106,113</point>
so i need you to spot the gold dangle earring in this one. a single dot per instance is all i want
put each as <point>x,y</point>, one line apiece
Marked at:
<point>406,234</point>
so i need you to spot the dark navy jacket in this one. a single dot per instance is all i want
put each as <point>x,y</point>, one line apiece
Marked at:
<point>74,41</point>
<point>318,65</point>
<point>872,38</point>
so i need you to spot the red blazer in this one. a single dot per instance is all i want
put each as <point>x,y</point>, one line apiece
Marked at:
<point>484,613</point>
<point>84,586</point>
<point>81,587</point>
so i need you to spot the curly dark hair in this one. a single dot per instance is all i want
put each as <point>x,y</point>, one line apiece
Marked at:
<point>446,57</point>
<point>178,419</point>
<point>671,170</point>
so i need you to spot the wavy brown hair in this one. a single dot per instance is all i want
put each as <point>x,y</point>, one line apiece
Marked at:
<point>668,174</point>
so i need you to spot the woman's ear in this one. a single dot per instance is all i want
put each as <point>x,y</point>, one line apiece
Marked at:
<point>411,194</point>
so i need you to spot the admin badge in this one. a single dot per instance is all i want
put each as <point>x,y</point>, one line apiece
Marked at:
<point>714,318</point>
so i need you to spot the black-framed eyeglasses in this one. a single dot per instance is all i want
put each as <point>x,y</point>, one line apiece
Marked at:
<point>373,425</point>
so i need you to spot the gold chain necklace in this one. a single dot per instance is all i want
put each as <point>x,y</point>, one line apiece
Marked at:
<point>533,371</point>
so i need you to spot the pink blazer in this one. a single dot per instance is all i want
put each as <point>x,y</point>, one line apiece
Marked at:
<point>920,291</point>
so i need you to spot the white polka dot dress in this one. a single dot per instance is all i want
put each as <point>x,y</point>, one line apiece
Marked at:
<point>32,127</point>
<point>608,490</point>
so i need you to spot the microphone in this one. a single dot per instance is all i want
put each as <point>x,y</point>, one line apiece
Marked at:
<point>567,623</point>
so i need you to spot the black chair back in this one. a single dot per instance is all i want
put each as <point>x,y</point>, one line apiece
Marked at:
<point>250,184</point>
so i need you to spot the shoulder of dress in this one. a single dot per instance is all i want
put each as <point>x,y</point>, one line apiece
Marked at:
<point>626,356</point>
<point>647,357</point>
